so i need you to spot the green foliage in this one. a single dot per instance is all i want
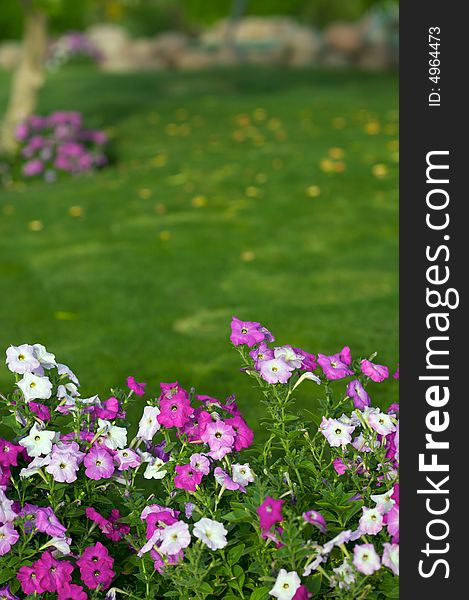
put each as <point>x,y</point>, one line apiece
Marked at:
<point>123,299</point>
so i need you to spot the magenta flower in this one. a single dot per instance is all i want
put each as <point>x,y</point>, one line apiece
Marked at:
<point>111,528</point>
<point>70,591</point>
<point>302,593</point>
<point>41,411</point>
<point>99,463</point>
<point>48,523</point>
<point>391,519</point>
<point>196,425</point>
<point>375,372</point>
<point>9,453</point>
<point>337,365</point>
<point>315,518</point>
<point>29,581</point>
<point>309,360</point>
<point>339,466</point>
<point>270,512</point>
<point>137,388</point>
<point>175,411</point>
<point>396,374</point>
<point>246,332</point>
<point>96,566</point>
<point>33,167</point>
<point>108,410</point>
<point>244,434</point>
<point>52,573</point>
<point>8,538</point>
<point>357,392</point>
<point>187,478</point>
<point>275,370</point>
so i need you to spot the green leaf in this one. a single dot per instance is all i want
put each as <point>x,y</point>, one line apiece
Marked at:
<point>261,593</point>
<point>314,584</point>
<point>205,587</point>
<point>235,554</point>
<point>6,574</point>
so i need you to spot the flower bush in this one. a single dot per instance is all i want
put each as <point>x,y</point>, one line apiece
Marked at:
<point>72,46</point>
<point>186,506</point>
<point>59,143</point>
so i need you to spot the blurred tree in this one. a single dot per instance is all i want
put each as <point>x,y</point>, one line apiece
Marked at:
<point>29,75</point>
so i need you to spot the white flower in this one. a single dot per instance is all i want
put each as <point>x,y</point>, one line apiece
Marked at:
<point>384,502</point>
<point>289,356</point>
<point>148,425</point>
<point>47,359</point>
<point>391,557</point>
<point>306,375</point>
<point>64,370</point>
<point>371,521</point>
<point>286,585</point>
<point>35,466</point>
<point>69,389</point>
<point>38,441</point>
<point>7,515</point>
<point>113,437</point>
<point>336,432</point>
<point>21,359</point>
<point>242,474</point>
<point>61,545</point>
<point>154,470</point>
<point>365,559</point>
<point>34,387</point>
<point>344,576</point>
<point>174,538</point>
<point>211,533</point>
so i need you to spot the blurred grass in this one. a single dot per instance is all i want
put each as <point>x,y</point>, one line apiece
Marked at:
<point>265,194</point>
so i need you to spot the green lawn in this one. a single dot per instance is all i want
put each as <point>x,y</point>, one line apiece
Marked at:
<point>206,214</point>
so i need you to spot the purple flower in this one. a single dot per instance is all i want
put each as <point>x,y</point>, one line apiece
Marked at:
<point>225,480</point>
<point>275,370</point>
<point>33,167</point>
<point>175,411</point>
<point>51,573</point>
<point>375,372</point>
<point>315,518</point>
<point>337,365</point>
<point>137,388</point>
<point>262,352</point>
<point>357,392</point>
<point>246,332</point>
<point>99,464</point>
<point>339,466</point>
<point>48,523</point>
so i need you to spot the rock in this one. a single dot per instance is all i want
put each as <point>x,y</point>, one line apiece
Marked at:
<point>143,55</point>
<point>347,38</point>
<point>169,47</point>
<point>114,45</point>
<point>10,53</point>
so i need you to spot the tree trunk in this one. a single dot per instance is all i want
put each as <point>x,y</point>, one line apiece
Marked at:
<point>29,75</point>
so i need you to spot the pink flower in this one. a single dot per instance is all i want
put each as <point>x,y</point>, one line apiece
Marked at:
<point>390,557</point>
<point>220,438</point>
<point>48,523</point>
<point>99,463</point>
<point>225,480</point>
<point>70,591</point>
<point>270,512</point>
<point>337,365</point>
<point>110,527</point>
<point>309,360</point>
<point>377,373</point>
<point>196,425</point>
<point>33,167</point>
<point>339,466</point>
<point>175,411</point>
<point>315,518</point>
<point>371,522</point>
<point>52,574</point>
<point>137,388</point>
<point>396,374</point>
<point>391,519</point>
<point>187,478</point>
<point>29,581</point>
<point>8,538</point>
<point>126,459</point>
<point>246,332</point>
<point>357,392</point>
<point>199,462</point>
<point>244,435</point>
<point>9,453</point>
<point>275,370</point>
